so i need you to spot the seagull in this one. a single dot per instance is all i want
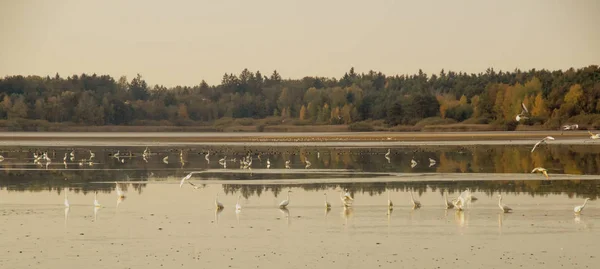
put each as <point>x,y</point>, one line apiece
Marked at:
<point>523,113</point>
<point>166,160</point>
<point>307,164</point>
<point>416,204</point>
<point>65,158</point>
<point>287,164</point>
<point>502,206</point>
<point>347,200</point>
<point>544,140</point>
<point>206,156</point>
<point>542,170</point>
<point>432,162</point>
<point>92,155</point>
<point>594,136</point>
<point>387,155</point>
<point>116,155</point>
<point>187,177</point>
<point>413,163</point>
<point>579,208</point>
<point>268,163</point>
<point>286,202</point>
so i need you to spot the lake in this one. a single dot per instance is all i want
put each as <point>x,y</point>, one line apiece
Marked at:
<point>159,224</point>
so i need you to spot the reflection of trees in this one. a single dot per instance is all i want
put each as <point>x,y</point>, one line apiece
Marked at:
<point>18,175</point>
<point>584,188</point>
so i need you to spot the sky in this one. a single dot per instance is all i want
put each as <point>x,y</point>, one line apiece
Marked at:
<point>183,42</point>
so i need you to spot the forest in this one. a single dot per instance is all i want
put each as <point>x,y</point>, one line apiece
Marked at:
<point>362,102</point>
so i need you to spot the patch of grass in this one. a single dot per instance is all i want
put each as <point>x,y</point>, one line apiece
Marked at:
<point>434,121</point>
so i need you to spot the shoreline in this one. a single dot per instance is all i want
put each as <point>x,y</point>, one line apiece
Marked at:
<point>290,139</point>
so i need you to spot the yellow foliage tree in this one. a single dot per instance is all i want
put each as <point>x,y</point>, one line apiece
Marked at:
<point>539,108</point>
<point>574,95</point>
<point>463,100</point>
<point>183,112</point>
<point>302,115</point>
<point>476,104</point>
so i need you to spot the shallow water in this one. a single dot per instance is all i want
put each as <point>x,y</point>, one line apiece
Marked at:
<point>160,225</point>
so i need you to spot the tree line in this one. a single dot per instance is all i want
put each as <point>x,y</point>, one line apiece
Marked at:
<point>490,97</point>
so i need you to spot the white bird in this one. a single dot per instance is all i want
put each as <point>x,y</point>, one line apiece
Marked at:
<point>544,140</point>
<point>268,163</point>
<point>542,170</point>
<point>188,176</point>
<point>73,153</point>
<point>327,204</point>
<point>390,204</point>
<point>96,203</point>
<point>502,206</point>
<point>387,155</point>
<point>449,205</point>
<point>218,204</point>
<point>318,155</point>
<point>413,163</point>
<point>65,158</point>
<point>432,162</point>
<point>92,155</point>
<point>206,156</point>
<point>523,113</point>
<point>286,202</point>
<point>238,207</point>
<point>307,164</point>
<point>287,164</point>
<point>594,136</point>
<point>66,199</point>
<point>166,160</point>
<point>579,208</point>
<point>416,204</point>
<point>116,155</point>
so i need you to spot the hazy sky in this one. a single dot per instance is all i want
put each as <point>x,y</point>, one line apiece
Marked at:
<point>183,42</point>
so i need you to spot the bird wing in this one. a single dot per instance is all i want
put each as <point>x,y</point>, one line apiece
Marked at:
<point>536,144</point>
<point>182,181</point>
<point>524,108</point>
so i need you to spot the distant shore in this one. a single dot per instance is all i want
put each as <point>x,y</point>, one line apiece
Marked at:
<point>290,137</point>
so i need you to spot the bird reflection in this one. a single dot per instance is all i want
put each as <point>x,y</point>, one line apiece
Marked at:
<point>120,200</point>
<point>217,213</point>
<point>327,210</point>
<point>67,209</point>
<point>286,214</point>
<point>459,217</point>
<point>96,209</point>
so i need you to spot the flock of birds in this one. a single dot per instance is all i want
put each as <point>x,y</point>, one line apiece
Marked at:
<point>459,203</point>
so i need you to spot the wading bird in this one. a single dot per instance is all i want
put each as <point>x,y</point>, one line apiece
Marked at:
<point>579,208</point>
<point>594,136</point>
<point>285,202</point>
<point>413,163</point>
<point>307,164</point>
<point>327,204</point>
<point>166,160</point>
<point>502,206</point>
<point>541,170</point>
<point>544,140</point>
<point>390,204</point>
<point>432,162</point>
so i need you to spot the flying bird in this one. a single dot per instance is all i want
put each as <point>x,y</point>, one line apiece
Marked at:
<point>523,114</point>
<point>594,136</point>
<point>544,140</point>
<point>540,170</point>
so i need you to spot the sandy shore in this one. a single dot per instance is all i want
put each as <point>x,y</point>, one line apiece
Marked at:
<point>169,227</point>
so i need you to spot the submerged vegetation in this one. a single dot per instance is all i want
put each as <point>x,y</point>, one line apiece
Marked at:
<point>252,101</point>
